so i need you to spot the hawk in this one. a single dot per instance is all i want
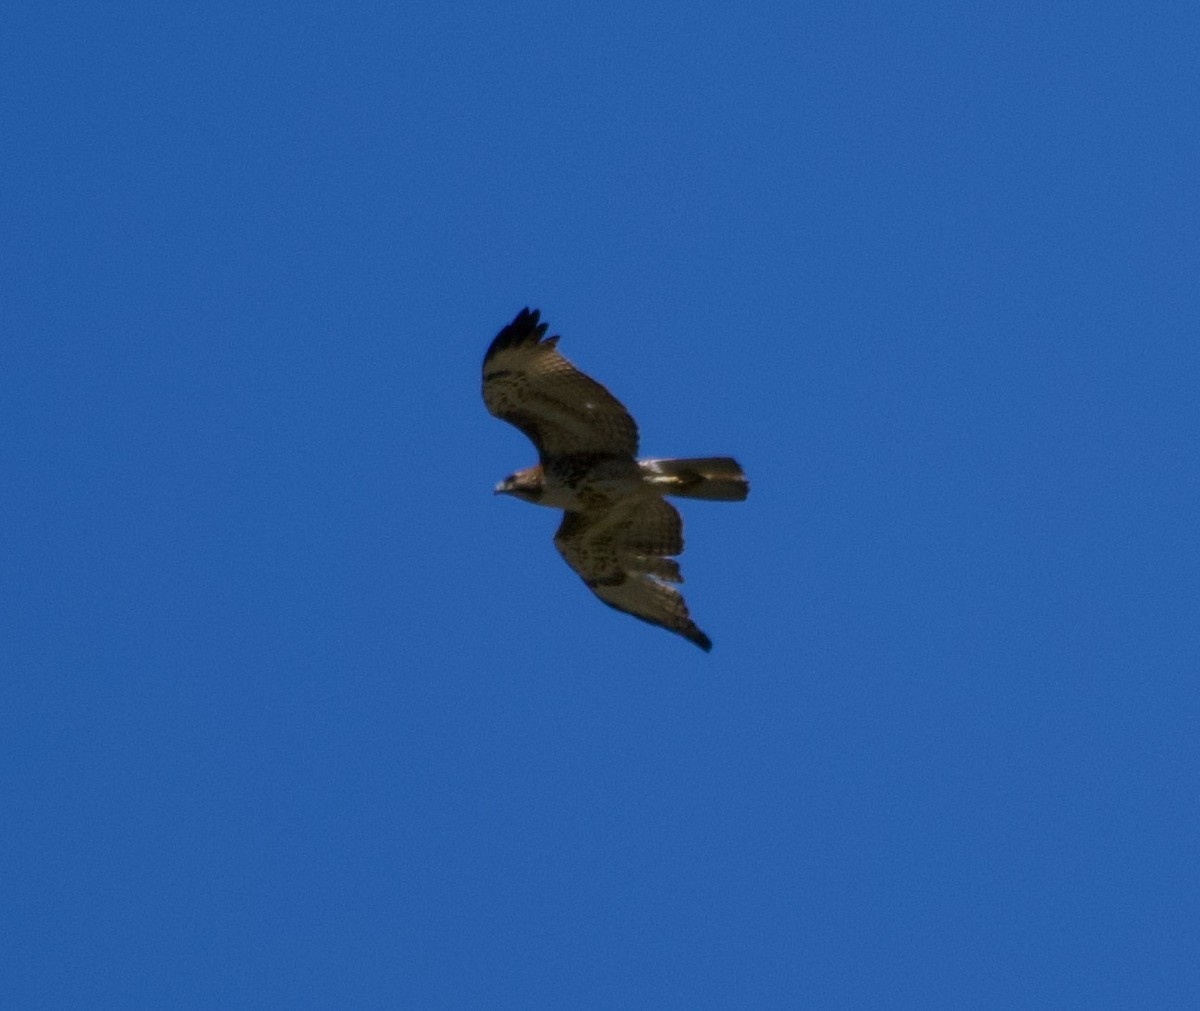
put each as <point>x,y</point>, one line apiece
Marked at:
<point>618,532</point>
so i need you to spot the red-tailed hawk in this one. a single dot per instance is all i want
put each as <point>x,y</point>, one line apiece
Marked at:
<point>618,532</point>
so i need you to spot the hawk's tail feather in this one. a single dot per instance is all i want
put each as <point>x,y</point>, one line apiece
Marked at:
<point>719,478</point>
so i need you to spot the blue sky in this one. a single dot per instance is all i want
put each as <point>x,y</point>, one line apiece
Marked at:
<point>294,712</point>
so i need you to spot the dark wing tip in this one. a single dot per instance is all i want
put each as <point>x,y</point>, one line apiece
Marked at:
<point>700,639</point>
<point>525,327</point>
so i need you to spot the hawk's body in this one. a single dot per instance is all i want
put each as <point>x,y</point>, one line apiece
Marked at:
<point>617,532</point>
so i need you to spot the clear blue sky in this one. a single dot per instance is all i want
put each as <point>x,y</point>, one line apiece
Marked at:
<point>295,713</point>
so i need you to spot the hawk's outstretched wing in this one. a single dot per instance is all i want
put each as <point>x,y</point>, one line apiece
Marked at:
<point>623,554</point>
<point>528,383</point>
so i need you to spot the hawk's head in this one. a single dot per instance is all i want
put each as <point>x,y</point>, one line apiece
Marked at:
<point>526,484</point>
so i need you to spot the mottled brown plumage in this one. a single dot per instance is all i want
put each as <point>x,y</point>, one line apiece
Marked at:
<point>617,532</point>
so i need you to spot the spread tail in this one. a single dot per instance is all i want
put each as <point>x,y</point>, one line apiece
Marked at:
<point>719,478</point>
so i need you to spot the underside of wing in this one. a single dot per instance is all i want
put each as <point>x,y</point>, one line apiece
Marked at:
<point>527,383</point>
<point>623,555</point>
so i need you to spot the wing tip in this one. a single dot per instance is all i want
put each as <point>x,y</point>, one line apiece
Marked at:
<point>694,635</point>
<point>525,327</point>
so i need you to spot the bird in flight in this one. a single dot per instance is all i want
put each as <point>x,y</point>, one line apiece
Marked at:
<point>618,532</point>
